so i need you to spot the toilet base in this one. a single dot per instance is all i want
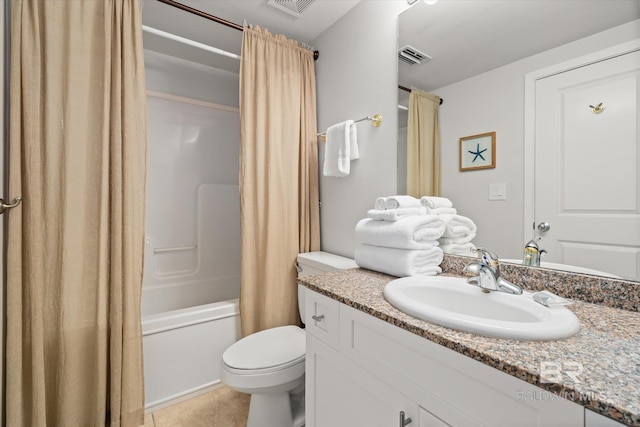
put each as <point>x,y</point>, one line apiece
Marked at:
<point>274,410</point>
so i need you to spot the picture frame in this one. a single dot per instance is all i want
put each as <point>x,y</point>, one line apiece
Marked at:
<point>478,151</point>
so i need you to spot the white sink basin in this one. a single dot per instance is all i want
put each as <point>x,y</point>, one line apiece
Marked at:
<point>452,302</point>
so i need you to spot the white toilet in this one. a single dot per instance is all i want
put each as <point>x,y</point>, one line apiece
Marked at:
<point>269,364</point>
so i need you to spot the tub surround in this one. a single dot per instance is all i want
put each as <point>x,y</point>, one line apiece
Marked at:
<point>608,346</point>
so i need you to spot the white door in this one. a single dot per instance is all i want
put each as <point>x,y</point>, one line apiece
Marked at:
<point>587,180</point>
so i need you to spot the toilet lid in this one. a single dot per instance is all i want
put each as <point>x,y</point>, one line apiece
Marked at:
<point>267,349</point>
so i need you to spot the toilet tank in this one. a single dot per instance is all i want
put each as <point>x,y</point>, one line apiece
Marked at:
<point>311,263</point>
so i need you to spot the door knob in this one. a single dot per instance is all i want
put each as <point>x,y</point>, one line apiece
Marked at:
<point>5,206</point>
<point>544,226</point>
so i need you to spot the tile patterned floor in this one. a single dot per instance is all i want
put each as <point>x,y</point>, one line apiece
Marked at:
<point>220,408</point>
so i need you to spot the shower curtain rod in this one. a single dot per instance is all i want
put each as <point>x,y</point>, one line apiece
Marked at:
<point>205,15</point>
<point>189,42</point>
<point>202,14</point>
<point>406,89</point>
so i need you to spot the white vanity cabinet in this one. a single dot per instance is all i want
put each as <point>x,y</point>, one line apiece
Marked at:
<point>593,419</point>
<point>362,371</point>
<point>338,391</point>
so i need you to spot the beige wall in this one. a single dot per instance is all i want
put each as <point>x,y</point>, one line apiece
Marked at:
<point>356,77</point>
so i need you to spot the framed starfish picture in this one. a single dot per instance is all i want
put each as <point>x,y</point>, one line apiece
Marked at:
<point>478,151</point>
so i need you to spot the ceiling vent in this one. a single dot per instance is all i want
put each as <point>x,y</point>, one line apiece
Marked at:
<point>292,7</point>
<point>412,56</point>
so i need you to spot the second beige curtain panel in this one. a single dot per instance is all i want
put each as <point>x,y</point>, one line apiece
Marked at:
<point>278,176</point>
<point>75,246</point>
<point>423,145</point>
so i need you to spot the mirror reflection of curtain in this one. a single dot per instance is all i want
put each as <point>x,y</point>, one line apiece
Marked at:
<point>278,176</point>
<point>75,245</point>
<point>423,145</point>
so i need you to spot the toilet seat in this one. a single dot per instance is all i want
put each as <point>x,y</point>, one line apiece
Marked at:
<point>266,351</point>
<point>284,366</point>
<point>270,360</point>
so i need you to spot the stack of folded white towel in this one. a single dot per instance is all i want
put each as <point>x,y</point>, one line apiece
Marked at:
<point>459,230</point>
<point>400,238</point>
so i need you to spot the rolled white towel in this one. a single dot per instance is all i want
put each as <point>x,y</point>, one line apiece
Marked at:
<point>414,232</point>
<point>435,202</point>
<point>457,229</point>
<point>464,249</point>
<point>381,203</point>
<point>394,214</point>
<point>395,202</point>
<point>400,262</point>
<point>442,211</point>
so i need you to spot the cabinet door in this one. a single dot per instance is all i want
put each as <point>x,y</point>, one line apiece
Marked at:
<point>454,388</point>
<point>322,318</point>
<point>427,419</point>
<point>593,419</point>
<point>339,393</point>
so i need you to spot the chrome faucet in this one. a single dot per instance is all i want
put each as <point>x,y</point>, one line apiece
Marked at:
<point>486,274</point>
<point>532,253</point>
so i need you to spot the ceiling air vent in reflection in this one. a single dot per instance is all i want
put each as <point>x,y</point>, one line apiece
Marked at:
<point>292,7</point>
<point>412,56</point>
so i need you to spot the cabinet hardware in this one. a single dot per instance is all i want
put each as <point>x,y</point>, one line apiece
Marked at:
<point>404,422</point>
<point>597,109</point>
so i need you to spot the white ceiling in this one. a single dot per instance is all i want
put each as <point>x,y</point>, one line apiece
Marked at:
<point>464,37</point>
<point>313,21</point>
<point>468,37</point>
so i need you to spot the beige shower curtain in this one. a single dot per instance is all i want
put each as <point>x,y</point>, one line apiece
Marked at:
<point>423,145</point>
<point>75,246</point>
<point>278,175</point>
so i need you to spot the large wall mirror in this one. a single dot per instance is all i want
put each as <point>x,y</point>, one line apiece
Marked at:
<point>513,67</point>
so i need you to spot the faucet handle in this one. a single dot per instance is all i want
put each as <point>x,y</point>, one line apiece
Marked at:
<point>488,257</point>
<point>472,270</point>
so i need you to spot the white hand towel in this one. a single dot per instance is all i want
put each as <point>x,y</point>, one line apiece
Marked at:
<point>435,202</point>
<point>414,232</point>
<point>339,149</point>
<point>352,134</point>
<point>395,214</point>
<point>395,202</point>
<point>457,229</point>
<point>400,262</point>
<point>442,211</point>
<point>464,249</point>
<point>381,203</point>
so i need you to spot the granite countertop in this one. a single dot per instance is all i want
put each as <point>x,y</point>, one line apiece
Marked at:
<point>607,347</point>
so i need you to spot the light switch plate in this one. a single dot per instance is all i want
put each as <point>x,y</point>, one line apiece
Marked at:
<point>498,191</point>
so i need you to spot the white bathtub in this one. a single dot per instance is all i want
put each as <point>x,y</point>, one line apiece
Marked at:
<point>183,350</point>
<point>192,246</point>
